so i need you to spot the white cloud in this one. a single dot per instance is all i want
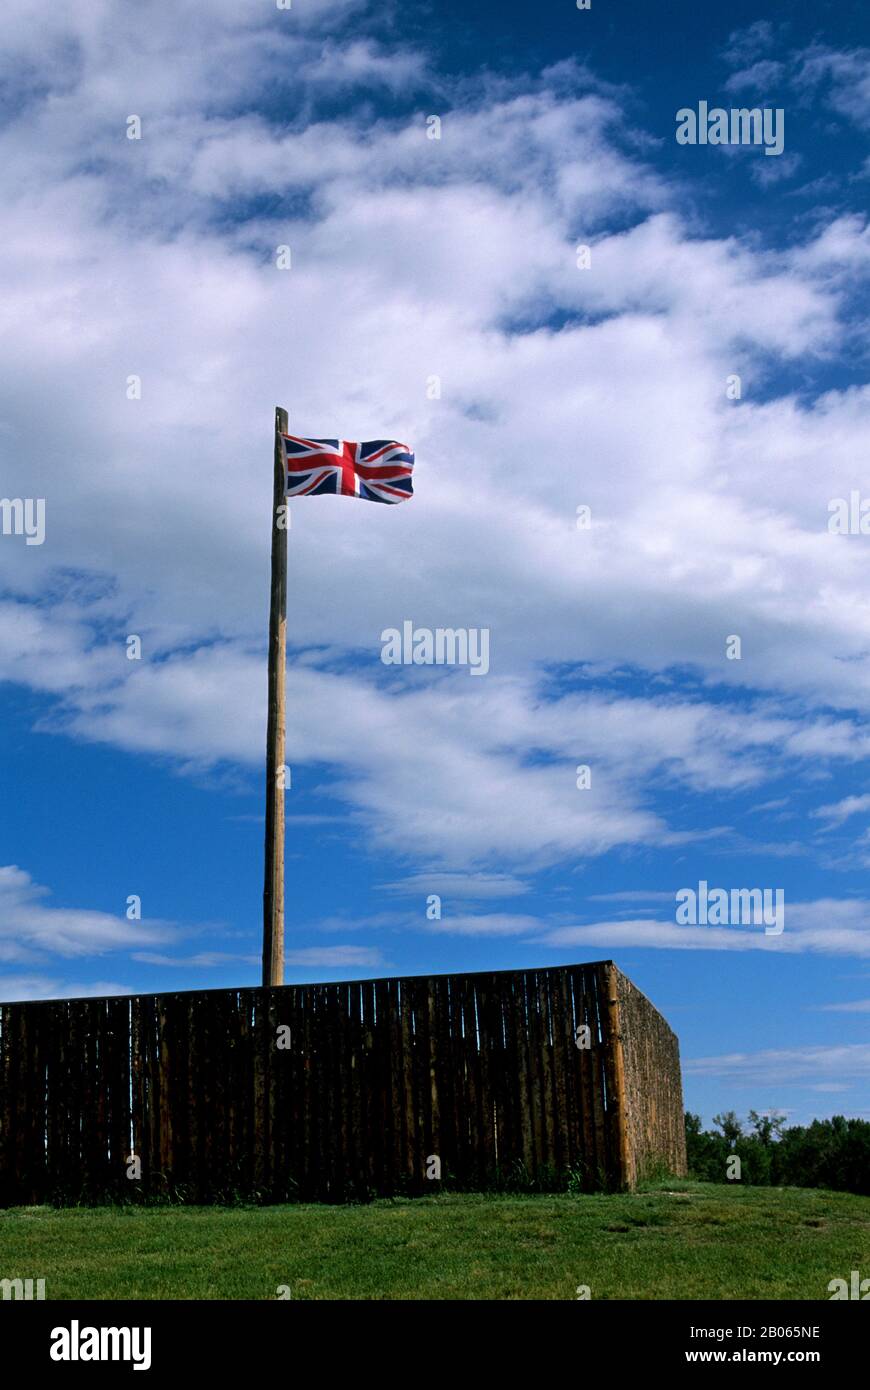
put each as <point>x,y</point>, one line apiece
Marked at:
<point>412,257</point>
<point>747,43</point>
<point>839,811</point>
<point>18,988</point>
<point>203,959</point>
<point>458,886</point>
<point>845,76</point>
<point>29,927</point>
<point>496,758</point>
<point>491,924</point>
<point>786,1066</point>
<point>335,957</point>
<point>827,926</point>
<point>763,76</point>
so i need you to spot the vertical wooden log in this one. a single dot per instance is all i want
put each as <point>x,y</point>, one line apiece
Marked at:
<point>4,1112</point>
<point>31,1097</point>
<point>418,990</point>
<point>368,1070</point>
<point>497,1069</point>
<point>452,1074</point>
<point>552,1117</point>
<point>41,1061</point>
<point>382,1082</point>
<point>591,985</point>
<point>535,1091</point>
<point>6,1164</point>
<point>488,1061</point>
<point>116,1085</point>
<point>430,1004</point>
<point>137,1085</point>
<point>236,1091</point>
<point>276,1162</point>
<point>539,1081</point>
<point>308,1165</point>
<point>563,1056</point>
<point>180,1121</point>
<point>255,1060</point>
<point>152,1052</point>
<point>502,1068</point>
<point>320,1098</point>
<point>335,1090</point>
<point>276,729</point>
<point>412,1144</point>
<point>91,1044</point>
<point>397,1090</point>
<point>163,1050</point>
<point>585,1064</point>
<point>193,1085</point>
<point>357,1116</point>
<point>513,990</point>
<point>319,1085</point>
<point>74,1101</point>
<point>293,1091</point>
<point>616,1093</point>
<point>285,1118</point>
<point>10,1028</point>
<point>46,1137</point>
<point>469,1118</point>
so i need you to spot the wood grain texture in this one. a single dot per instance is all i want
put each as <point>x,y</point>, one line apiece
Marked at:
<point>276,729</point>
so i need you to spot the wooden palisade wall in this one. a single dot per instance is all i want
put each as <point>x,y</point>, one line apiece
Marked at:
<point>338,1091</point>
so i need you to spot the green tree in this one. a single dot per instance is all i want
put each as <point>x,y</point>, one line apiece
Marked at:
<point>730,1126</point>
<point>768,1127</point>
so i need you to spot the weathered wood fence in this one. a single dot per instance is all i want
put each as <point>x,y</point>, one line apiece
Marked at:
<point>339,1091</point>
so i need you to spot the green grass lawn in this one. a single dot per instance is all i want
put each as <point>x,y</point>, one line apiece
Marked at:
<point>683,1240</point>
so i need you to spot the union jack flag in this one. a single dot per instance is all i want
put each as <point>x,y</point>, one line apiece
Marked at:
<point>378,470</point>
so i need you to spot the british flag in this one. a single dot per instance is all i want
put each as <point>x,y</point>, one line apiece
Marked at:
<point>378,470</point>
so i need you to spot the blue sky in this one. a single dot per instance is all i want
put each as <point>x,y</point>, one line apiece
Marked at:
<point>560,387</point>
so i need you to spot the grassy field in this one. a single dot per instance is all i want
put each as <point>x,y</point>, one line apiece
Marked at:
<point>683,1240</point>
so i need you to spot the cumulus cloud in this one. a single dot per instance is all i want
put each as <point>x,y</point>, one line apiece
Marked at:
<point>559,387</point>
<point>31,927</point>
<point>497,758</point>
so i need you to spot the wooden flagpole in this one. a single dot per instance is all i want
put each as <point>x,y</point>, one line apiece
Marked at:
<point>276,731</point>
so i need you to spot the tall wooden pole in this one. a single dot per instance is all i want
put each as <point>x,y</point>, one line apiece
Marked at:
<point>276,731</point>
